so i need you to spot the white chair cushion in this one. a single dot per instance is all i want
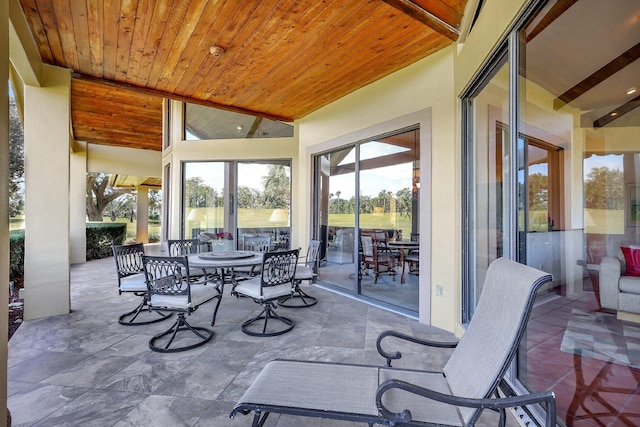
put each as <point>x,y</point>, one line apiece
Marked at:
<point>199,295</point>
<point>134,283</point>
<point>304,273</point>
<point>251,288</point>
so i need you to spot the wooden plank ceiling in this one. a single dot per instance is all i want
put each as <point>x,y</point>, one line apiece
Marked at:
<point>279,59</point>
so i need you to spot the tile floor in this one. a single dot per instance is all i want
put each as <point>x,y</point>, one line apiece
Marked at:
<point>85,369</point>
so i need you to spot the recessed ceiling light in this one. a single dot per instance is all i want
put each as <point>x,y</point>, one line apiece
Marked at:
<point>631,90</point>
<point>613,114</point>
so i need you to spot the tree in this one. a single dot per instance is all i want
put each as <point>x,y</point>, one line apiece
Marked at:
<point>16,160</point>
<point>276,188</point>
<point>155,204</point>
<point>248,197</point>
<point>538,192</point>
<point>100,194</point>
<point>404,201</point>
<point>201,195</point>
<point>604,189</point>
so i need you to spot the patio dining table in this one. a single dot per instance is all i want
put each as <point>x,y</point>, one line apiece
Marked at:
<point>403,246</point>
<point>226,261</point>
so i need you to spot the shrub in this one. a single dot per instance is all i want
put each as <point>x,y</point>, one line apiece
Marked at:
<point>100,237</point>
<point>16,254</point>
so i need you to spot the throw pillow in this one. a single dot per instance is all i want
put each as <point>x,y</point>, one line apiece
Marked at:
<point>632,259</point>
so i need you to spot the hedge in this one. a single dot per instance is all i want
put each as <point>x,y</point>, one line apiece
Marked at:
<point>16,254</point>
<point>100,237</point>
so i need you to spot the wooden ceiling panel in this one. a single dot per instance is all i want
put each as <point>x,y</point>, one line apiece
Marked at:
<point>282,58</point>
<point>103,114</point>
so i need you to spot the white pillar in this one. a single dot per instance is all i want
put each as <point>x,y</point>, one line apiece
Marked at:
<point>46,152</point>
<point>142,214</point>
<point>77,204</point>
<point>4,203</point>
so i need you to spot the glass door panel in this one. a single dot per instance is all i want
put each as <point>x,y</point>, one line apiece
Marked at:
<point>389,180</point>
<point>336,217</point>
<point>264,201</point>
<point>489,194</point>
<point>204,198</point>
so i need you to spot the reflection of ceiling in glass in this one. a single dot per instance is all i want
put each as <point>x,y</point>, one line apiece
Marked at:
<point>210,123</point>
<point>586,54</point>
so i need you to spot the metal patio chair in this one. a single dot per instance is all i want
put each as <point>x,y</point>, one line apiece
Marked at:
<point>131,279</point>
<point>252,244</point>
<point>170,289</point>
<point>274,282</point>
<point>455,396</point>
<point>181,247</point>
<point>304,271</point>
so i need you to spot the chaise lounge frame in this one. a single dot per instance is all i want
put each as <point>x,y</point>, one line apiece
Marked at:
<point>455,396</point>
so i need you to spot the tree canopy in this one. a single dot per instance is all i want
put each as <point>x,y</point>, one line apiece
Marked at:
<point>100,195</point>
<point>604,189</point>
<point>16,160</point>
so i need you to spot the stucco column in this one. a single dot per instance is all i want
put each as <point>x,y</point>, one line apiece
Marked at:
<point>4,204</point>
<point>46,152</point>
<point>77,204</point>
<point>142,214</point>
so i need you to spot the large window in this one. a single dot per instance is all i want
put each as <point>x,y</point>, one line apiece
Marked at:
<point>236,199</point>
<point>211,123</point>
<point>370,188</point>
<point>567,201</point>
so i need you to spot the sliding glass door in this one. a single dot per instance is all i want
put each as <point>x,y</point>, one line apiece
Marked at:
<point>552,161</point>
<point>370,188</point>
<point>237,199</point>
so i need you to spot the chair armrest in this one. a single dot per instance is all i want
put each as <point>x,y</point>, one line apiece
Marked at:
<point>398,355</point>
<point>609,275</point>
<point>496,404</point>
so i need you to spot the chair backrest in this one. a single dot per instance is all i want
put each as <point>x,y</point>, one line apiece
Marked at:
<point>128,259</point>
<point>367,246</point>
<point>279,267</point>
<point>491,340</point>
<point>257,244</point>
<point>381,237</point>
<point>183,247</point>
<point>311,260</point>
<point>167,276</point>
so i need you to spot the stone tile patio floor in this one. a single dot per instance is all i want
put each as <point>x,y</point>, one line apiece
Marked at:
<point>84,369</point>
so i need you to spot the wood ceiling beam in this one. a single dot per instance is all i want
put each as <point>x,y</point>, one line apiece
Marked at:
<point>430,20</point>
<point>554,13</point>
<point>153,92</point>
<point>594,79</point>
<point>617,113</point>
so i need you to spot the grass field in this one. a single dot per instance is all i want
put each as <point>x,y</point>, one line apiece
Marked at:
<point>599,221</point>
<point>381,221</point>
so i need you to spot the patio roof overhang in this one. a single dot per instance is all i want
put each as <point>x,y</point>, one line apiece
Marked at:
<point>279,59</point>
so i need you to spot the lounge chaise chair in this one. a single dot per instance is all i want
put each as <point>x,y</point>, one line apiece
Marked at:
<point>467,385</point>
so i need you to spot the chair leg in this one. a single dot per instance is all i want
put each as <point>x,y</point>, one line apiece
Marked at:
<point>129,318</point>
<point>297,295</point>
<point>181,324</point>
<point>268,312</point>
<point>215,310</point>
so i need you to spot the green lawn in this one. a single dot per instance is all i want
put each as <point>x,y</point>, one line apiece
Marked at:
<point>380,221</point>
